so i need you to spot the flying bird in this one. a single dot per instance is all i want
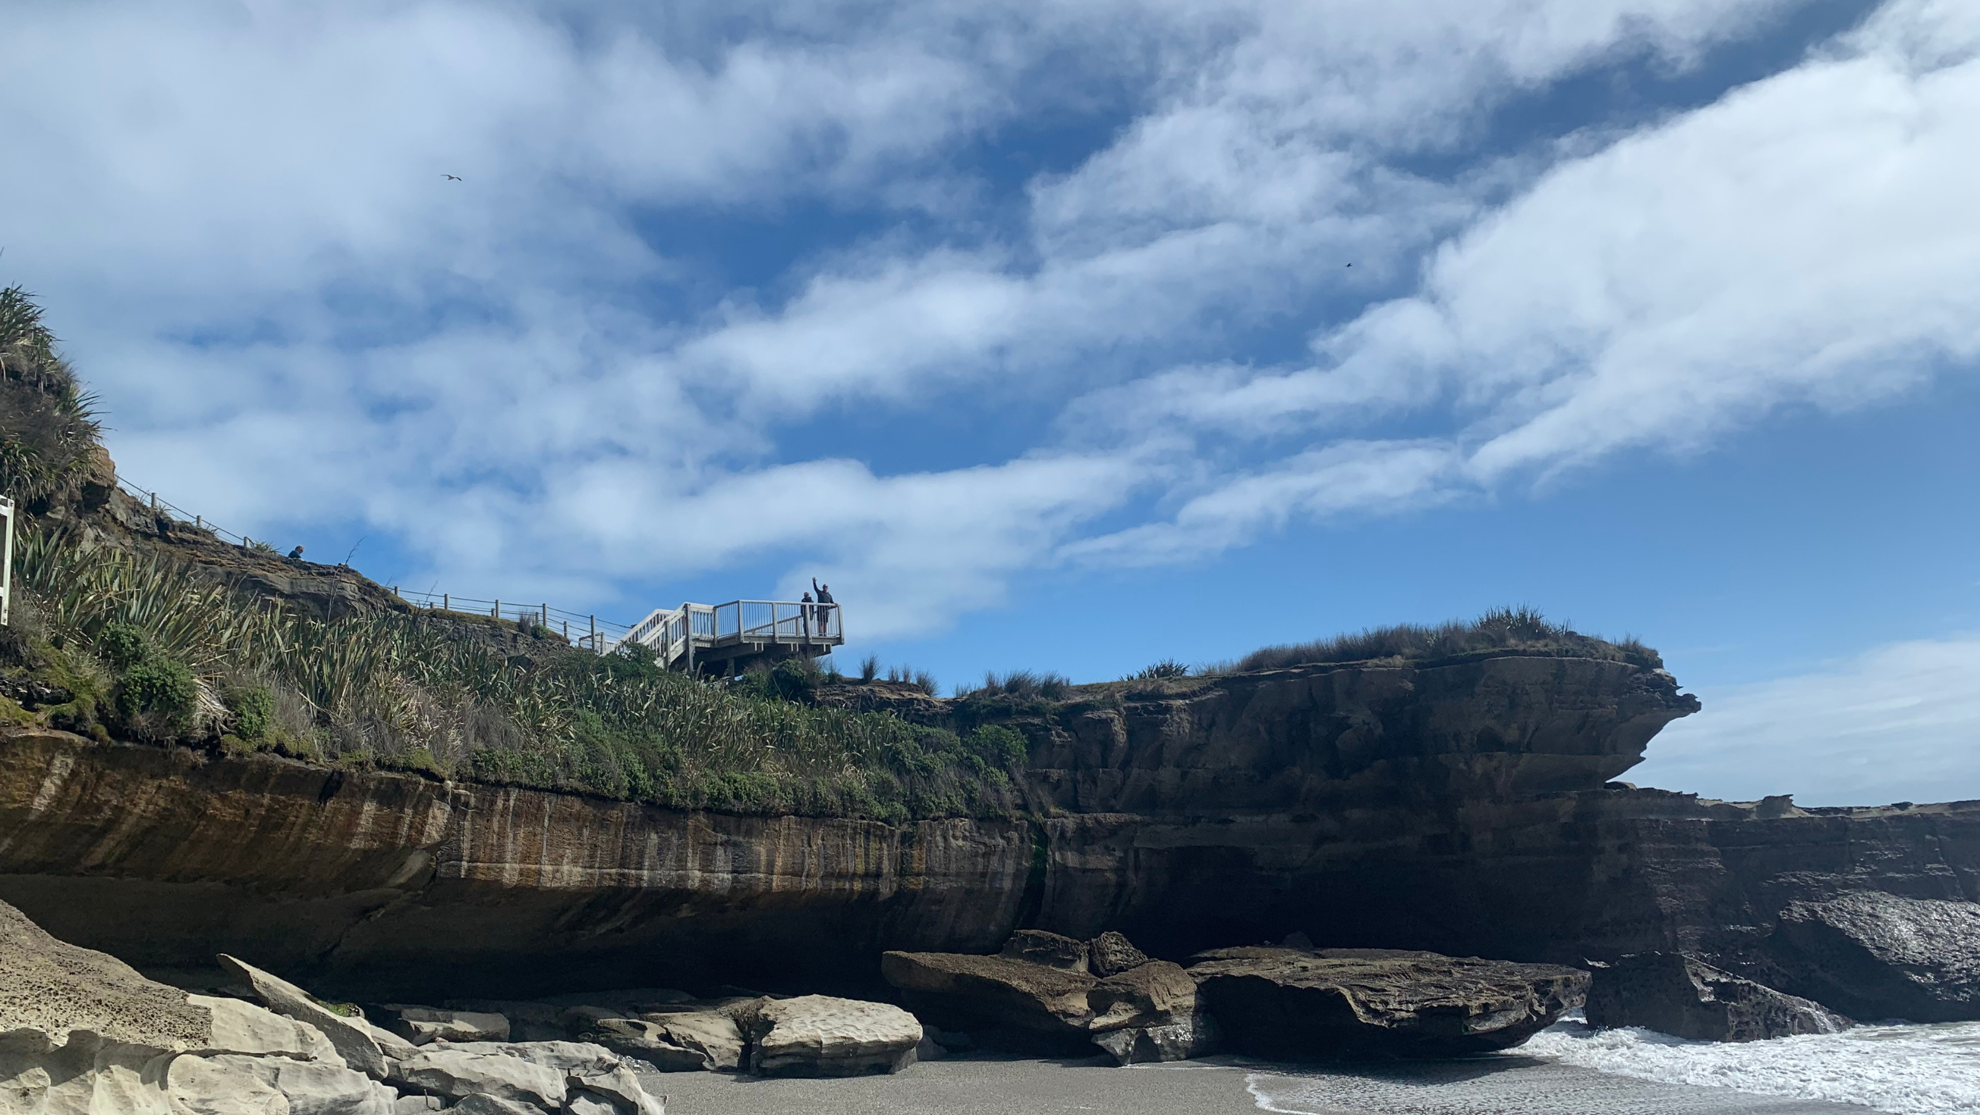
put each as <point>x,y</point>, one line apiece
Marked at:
<point>455,177</point>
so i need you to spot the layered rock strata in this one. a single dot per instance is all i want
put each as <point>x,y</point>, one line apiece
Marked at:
<point>1455,807</point>
<point>1688,998</point>
<point>1300,1004</point>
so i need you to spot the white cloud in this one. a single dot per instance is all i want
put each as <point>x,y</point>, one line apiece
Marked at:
<point>237,218</point>
<point>1899,723</point>
<point>1807,239</point>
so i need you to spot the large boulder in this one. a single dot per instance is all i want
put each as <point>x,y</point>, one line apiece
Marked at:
<point>421,1025</point>
<point>1036,946</point>
<point>1299,1004</point>
<point>313,1088</point>
<point>1112,953</point>
<point>818,1035</point>
<point>1873,956</point>
<point>1194,1036</point>
<point>1688,998</point>
<point>593,1075</point>
<point>690,1041</point>
<point>361,1045</point>
<point>242,1027</point>
<point>1148,1011</point>
<point>1013,1003</point>
<point>457,1074</point>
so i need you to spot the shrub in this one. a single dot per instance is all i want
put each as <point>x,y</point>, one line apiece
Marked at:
<point>253,707</point>
<point>999,746</point>
<point>123,645</point>
<point>869,668</point>
<point>1166,668</point>
<point>160,691</point>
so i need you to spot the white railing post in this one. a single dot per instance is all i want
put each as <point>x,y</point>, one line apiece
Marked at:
<point>7,562</point>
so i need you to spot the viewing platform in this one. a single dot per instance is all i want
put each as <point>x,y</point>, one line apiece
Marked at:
<point>724,640</point>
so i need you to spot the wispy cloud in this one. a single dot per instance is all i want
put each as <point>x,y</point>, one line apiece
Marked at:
<point>1901,721</point>
<point>237,218</point>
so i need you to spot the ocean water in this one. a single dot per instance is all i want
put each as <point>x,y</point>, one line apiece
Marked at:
<point>1572,1069</point>
<point>1904,1069</point>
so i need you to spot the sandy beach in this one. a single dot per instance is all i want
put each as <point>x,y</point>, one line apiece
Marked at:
<point>1503,1085</point>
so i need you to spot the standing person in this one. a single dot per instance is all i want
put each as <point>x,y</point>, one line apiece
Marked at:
<point>824,608</point>
<point>804,615</point>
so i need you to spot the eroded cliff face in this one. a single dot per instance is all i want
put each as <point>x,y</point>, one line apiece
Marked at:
<point>1458,807</point>
<point>372,881</point>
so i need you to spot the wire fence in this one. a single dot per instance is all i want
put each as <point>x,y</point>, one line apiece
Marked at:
<point>579,629</point>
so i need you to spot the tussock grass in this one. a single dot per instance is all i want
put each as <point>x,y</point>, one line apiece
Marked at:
<point>48,425</point>
<point>408,691</point>
<point>1522,630</point>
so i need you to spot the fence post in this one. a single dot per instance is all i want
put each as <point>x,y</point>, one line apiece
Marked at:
<point>594,634</point>
<point>496,611</point>
<point>545,609</point>
<point>446,603</point>
<point>567,631</point>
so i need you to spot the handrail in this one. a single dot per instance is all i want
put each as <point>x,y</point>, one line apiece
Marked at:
<point>672,633</point>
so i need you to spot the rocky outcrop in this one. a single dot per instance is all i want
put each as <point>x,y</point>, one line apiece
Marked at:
<point>1688,998</point>
<point>1147,1012</point>
<point>80,1031</point>
<point>423,1025</point>
<point>1883,956</point>
<point>1454,807</point>
<point>818,1035</point>
<point>1306,1005</point>
<point>1013,1003</point>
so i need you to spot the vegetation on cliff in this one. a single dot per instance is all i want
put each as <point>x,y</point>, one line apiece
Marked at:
<point>115,637</point>
<point>47,424</point>
<point>123,643</point>
<point>1501,630</point>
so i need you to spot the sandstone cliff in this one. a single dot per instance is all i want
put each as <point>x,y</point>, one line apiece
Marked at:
<point>1458,807</point>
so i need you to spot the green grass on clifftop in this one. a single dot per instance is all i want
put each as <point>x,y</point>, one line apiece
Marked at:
<point>1502,630</point>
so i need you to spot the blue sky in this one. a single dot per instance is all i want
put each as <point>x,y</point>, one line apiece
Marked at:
<point>1031,327</point>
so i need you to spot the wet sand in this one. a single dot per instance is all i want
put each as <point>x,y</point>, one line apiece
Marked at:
<point>1502,1085</point>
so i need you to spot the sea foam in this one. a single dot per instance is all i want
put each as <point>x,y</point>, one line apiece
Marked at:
<point>1904,1069</point>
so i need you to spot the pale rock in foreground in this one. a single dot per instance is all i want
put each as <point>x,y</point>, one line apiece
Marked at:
<point>819,1035</point>
<point>421,1025</point>
<point>458,1074</point>
<point>357,1041</point>
<point>314,1088</point>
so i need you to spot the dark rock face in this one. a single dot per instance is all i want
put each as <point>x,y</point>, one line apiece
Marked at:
<point>1012,1003</point>
<point>1883,956</point>
<point>1036,946</point>
<point>1148,1012</point>
<point>1112,953</point>
<point>1688,998</point>
<point>1454,808</point>
<point>1333,1003</point>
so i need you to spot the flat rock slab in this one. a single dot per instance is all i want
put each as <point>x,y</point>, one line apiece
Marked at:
<point>1300,1004</point>
<point>819,1035</point>
<point>1688,998</point>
